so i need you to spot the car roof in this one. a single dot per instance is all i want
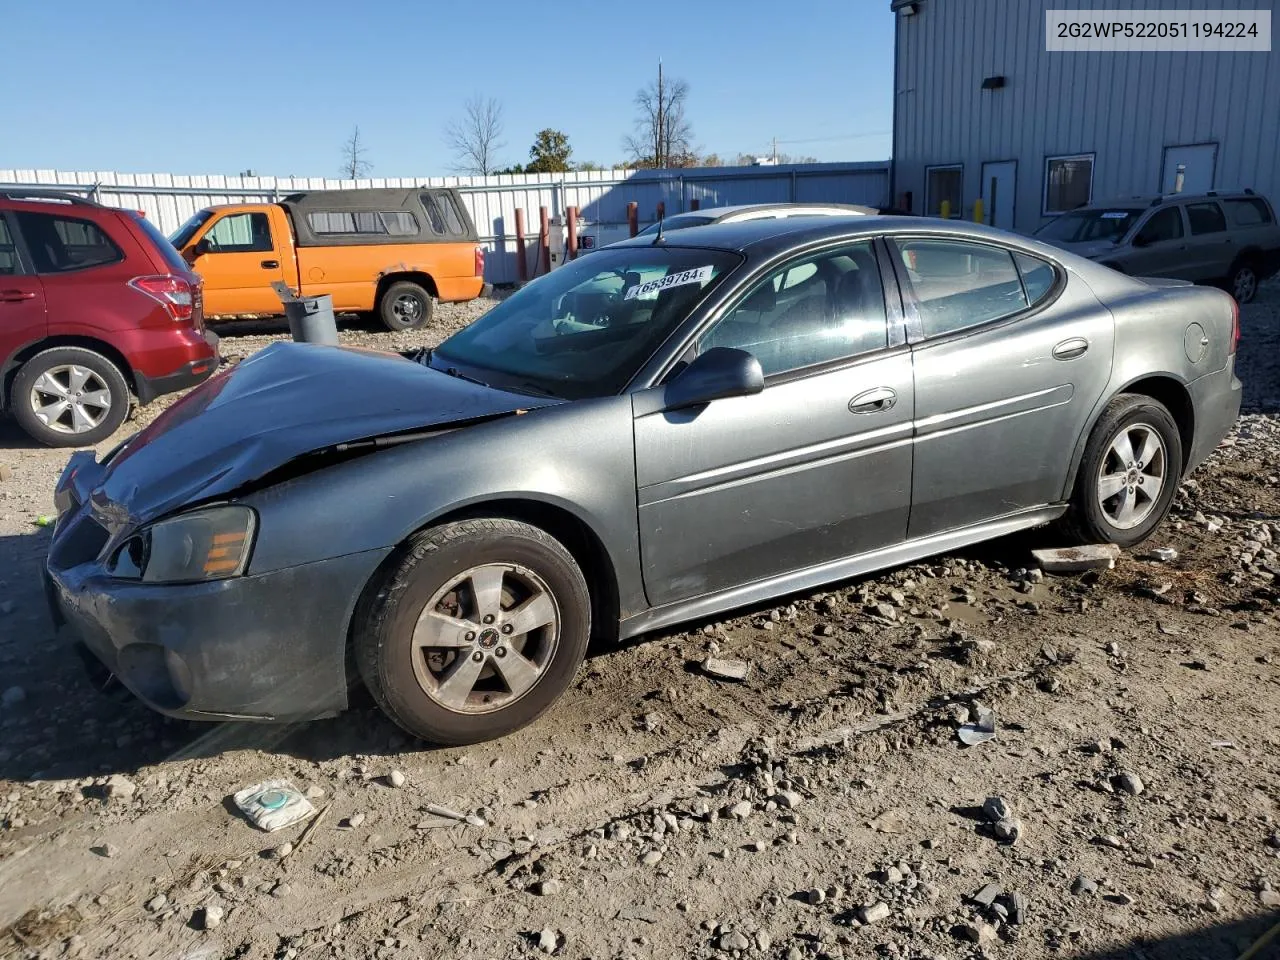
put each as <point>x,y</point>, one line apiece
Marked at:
<point>1156,199</point>
<point>720,213</point>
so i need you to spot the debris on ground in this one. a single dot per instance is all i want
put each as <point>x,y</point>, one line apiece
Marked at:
<point>725,669</point>
<point>1100,556</point>
<point>273,805</point>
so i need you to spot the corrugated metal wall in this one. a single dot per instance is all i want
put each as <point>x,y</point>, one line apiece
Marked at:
<point>1124,107</point>
<point>601,196</point>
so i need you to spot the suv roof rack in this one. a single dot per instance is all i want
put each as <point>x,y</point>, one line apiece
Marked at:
<point>17,193</point>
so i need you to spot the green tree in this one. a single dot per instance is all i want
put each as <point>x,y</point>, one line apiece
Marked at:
<point>550,152</point>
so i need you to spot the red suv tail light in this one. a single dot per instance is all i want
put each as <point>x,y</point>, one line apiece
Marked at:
<point>479,261</point>
<point>175,294</point>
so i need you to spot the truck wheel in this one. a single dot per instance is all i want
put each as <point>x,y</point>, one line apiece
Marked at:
<point>405,306</point>
<point>69,397</point>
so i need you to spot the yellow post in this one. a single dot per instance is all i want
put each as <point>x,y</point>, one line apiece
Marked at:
<point>977,211</point>
<point>944,210</point>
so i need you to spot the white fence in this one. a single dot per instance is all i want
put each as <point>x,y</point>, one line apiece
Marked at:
<point>600,196</point>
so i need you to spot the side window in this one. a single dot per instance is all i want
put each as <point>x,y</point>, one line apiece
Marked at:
<point>1205,218</point>
<point>822,308</point>
<point>9,264</point>
<point>957,284</point>
<point>62,244</point>
<point>1037,276</point>
<point>443,215</point>
<point>1164,225</point>
<point>1247,212</point>
<point>240,233</point>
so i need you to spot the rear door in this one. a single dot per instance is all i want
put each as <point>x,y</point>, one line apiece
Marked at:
<point>240,256</point>
<point>1009,358</point>
<point>22,307</point>
<point>1210,249</point>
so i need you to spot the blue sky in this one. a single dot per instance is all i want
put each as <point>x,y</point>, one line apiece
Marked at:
<point>218,87</point>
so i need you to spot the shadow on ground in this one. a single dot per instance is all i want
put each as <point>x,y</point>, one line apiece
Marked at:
<point>1229,941</point>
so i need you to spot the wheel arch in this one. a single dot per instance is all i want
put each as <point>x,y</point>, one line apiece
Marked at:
<point>1165,388</point>
<point>20,356</point>
<point>420,277</point>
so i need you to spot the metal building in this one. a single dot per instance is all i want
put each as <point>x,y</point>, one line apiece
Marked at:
<point>981,109</point>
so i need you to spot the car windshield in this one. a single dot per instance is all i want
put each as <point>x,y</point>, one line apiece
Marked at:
<point>1082,226</point>
<point>678,223</point>
<point>182,236</point>
<point>585,329</point>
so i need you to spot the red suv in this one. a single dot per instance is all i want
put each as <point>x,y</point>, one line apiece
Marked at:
<point>95,306</point>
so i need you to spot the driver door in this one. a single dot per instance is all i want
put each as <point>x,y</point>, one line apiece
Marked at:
<point>815,468</point>
<point>241,258</point>
<point>1163,247</point>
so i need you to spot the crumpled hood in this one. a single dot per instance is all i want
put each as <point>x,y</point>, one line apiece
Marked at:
<point>281,403</point>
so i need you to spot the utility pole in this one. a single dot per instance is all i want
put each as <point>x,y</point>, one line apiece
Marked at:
<point>658,158</point>
<point>775,151</point>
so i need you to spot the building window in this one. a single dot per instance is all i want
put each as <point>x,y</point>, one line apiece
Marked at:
<point>943,183</point>
<point>1068,183</point>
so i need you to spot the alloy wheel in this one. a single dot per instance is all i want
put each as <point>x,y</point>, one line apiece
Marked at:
<point>1132,474</point>
<point>70,398</point>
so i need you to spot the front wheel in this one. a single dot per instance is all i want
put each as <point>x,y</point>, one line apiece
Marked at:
<point>476,630</point>
<point>1129,474</point>
<point>405,306</point>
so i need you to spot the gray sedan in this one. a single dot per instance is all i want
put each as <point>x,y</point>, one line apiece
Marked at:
<point>655,433</point>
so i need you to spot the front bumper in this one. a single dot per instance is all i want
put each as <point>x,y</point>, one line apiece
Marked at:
<point>1215,399</point>
<point>264,647</point>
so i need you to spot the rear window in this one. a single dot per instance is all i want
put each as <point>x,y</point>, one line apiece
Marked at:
<point>1248,212</point>
<point>173,260</point>
<point>443,215</point>
<point>60,244</point>
<point>1205,218</point>
<point>8,252</point>
<point>394,223</point>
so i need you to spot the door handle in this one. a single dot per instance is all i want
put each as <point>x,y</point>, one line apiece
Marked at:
<point>1071,349</point>
<point>873,401</point>
<point>16,296</point>
<point>270,264</point>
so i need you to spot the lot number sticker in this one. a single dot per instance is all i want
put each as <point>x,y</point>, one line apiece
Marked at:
<point>697,275</point>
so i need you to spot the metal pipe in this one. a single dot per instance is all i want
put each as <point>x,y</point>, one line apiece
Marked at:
<point>695,203</point>
<point>633,218</point>
<point>522,265</point>
<point>544,239</point>
<point>571,215</point>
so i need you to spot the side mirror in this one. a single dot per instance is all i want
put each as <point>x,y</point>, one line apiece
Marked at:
<point>719,373</point>
<point>197,250</point>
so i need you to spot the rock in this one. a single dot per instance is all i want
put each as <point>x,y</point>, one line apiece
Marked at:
<point>1008,831</point>
<point>281,890</point>
<point>987,895</point>
<point>1083,886</point>
<point>725,669</point>
<point>157,903</point>
<point>874,913</point>
<point>548,888</point>
<point>13,696</point>
<point>119,787</point>
<point>211,917</point>
<point>1128,782</point>
<point>734,940</point>
<point>816,896</point>
<point>651,858</point>
<point>1109,840</point>
<point>1273,841</point>
<point>355,820</point>
<point>754,846</point>
<point>976,932</point>
<point>1097,746</point>
<point>1016,904</point>
<point>763,941</point>
<point>396,779</point>
<point>106,850</point>
<point>1101,556</point>
<point>548,939</point>
<point>787,799</point>
<point>282,851</point>
<point>997,808</point>
<point>1269,898</point>
<point>6,473</point>
<point>315,792</point>
<point>1164,554</point>
<point>738,811</point>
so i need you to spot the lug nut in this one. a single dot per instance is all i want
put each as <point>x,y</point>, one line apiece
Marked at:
<point>488,618</point>
<point>470,636</point>
<point>477,656</point>
<point>501,651</point>
<point>506,628</point>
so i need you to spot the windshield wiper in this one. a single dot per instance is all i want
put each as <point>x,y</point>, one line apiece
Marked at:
<point>455,372</point>
<point>537,388</point>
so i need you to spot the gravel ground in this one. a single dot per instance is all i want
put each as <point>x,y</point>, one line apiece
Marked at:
<point>822,807</point>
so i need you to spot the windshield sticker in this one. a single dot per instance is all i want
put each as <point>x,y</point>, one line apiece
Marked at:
<point>697,275</point>
<point>1116,215</point>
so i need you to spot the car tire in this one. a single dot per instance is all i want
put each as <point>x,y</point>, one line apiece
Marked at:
<point>55,376</point>
<point>431,660</point>
<point>1111,502</point>
<point>405,306</point>
<point>1243,281</point>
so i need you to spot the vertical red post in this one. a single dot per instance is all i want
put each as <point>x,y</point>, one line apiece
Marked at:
<point>662,210</point>
<point>633,218</point>
<point>544,239</point>
<point>695,203</point>
<point>522,265</point>
<point>572,216</point>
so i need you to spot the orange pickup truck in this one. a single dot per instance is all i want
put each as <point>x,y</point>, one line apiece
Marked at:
<point>394,252</point>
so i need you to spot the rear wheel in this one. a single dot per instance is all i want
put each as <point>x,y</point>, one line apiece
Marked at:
<point>1243,282</point>
<point>405,306</point>
<point>70,397</point>
<point>477,629</point>
<point>1129,474</point>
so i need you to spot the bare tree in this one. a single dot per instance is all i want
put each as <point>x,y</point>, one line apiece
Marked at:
<point>354,164</point>
<point>476,138</point>
<point>664,136</point>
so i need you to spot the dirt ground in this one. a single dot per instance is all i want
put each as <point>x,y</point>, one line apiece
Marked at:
<point>823,807</point>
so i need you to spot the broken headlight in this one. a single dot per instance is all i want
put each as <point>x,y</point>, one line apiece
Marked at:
<point>209,544</point>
